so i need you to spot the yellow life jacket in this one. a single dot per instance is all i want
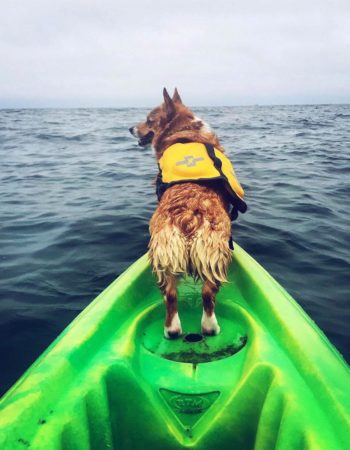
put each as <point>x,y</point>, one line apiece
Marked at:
<point>196,162</point>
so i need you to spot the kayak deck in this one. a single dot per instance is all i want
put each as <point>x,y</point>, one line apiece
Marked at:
<point>270,380</point>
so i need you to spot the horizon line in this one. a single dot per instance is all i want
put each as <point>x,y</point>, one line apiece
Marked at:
<point>191,106</point>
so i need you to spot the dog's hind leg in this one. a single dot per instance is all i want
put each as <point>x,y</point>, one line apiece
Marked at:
<point>169,259</point>
<point>210,324</point>
<point>172,326</point>
<point>210,256</point>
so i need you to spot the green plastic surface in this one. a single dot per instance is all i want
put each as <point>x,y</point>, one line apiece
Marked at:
<point>270,380</point>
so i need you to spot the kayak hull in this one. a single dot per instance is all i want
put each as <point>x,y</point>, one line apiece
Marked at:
<point>270,380</point>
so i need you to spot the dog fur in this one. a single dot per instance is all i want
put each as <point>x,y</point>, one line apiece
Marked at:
<point>191,227</point>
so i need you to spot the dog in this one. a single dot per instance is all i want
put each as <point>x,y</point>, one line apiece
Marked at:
<point>191,227</point>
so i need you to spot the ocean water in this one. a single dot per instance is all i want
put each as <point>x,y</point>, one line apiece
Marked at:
<point>77,194</point>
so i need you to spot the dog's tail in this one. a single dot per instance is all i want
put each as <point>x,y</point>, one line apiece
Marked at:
<point>189,221</point>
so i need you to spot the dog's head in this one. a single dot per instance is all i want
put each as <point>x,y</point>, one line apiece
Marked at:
<point>170,122</point>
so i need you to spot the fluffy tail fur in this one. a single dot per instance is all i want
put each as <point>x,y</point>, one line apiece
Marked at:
<point>204,254</point>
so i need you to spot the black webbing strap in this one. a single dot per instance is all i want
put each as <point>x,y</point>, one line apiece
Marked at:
<point>217,161</point>
<point>218,164</point>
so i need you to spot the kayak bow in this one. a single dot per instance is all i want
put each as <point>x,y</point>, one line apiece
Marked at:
<point>270,380</point>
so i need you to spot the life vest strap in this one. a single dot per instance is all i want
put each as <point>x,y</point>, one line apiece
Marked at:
<point>236,202</point>
<point>217,162</point>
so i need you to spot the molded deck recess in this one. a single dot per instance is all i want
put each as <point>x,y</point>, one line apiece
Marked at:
<point>193,347</point>
<point>193,337</point>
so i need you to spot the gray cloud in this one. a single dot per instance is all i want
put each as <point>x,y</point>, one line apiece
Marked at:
<point>109,53</point>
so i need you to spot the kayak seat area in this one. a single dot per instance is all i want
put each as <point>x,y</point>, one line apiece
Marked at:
<point>112,381</point>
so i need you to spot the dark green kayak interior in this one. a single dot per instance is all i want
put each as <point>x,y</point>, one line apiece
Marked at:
<point>192,346</point>
<point>270,380</point>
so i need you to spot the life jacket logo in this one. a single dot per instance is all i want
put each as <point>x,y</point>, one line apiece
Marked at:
<point>189,161</point>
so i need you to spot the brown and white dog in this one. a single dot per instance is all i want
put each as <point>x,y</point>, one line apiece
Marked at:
<point>191,227</point>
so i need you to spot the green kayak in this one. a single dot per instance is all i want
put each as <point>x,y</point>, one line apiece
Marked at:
<point>270,380</point>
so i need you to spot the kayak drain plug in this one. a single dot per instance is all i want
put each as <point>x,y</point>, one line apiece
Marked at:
<point>193,337</point>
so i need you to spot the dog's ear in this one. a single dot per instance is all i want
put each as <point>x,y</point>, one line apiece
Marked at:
<point>169,104</point>
<point>176,97</point>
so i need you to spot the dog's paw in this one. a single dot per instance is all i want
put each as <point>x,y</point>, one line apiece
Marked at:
<point>172,334</point>
<point>174,330</point>
<point>210,326</point>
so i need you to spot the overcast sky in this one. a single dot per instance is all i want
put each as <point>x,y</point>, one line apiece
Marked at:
<point>217,52</point>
